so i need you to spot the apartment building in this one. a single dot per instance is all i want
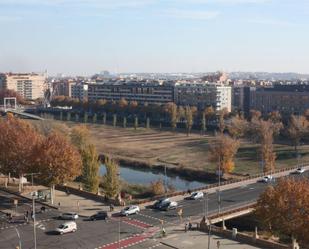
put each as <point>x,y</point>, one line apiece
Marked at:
<point>287,99</point>
<point>79,91</point>
<point>202,95</point>
<point>29,85</point>
<point>150,92</point>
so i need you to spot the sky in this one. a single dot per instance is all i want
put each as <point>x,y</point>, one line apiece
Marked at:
<point>88,36</point>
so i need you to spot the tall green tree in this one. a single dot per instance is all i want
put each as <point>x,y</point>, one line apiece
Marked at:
<point>91,166</point>
<point>171,109</point>
<point>189,119</point>
<point>110,183</point>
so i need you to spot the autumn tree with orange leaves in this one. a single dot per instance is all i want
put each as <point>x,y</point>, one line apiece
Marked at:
<point>18,140</point>
<point>284,209</point>
<point>222,152</point>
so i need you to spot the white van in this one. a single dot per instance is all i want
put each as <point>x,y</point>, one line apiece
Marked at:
<point>67,227</point>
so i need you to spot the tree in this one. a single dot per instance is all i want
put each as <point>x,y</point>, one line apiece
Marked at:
<point>222,114</point>
<point>80,136</point>
<point>85,117</point>
<point>91,166</point>
<point>237,126</point>
<point>209,113</point>
<point>171,109</point>
<point>157,187</point>
<point>147,123</point>
<point>110,183</point>
<point>124,122</point>
<point>297,128</point>
<point>114,120</point>
<point>222,151</point>
<point>284,209</point>
<point>135,122</point>
<point>5,93</point>
<point>57,160</point>
<point>94,118</point>
<point>203,123</point>
<point>68,116</point>
<point>189,119</point>
<point>263,132</point>
<point>122,104</point>
<point>18,141</point>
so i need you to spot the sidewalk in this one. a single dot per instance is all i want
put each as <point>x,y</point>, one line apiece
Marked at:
<point>177,238</point>
<point>83,206</point>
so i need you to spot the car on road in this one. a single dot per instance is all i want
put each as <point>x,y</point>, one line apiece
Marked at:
<point>299,170</point>
<point>267,178</point>
<point>130,210</point>
<point>196,195</point>
<point>67,227</point>
<point>101,215</point>
<point>68,216</point>
<point>169,206</point>
<point>161,202</point>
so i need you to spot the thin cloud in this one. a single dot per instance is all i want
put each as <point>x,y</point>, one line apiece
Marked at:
<point>192,14</point>
<point>222,1</point>
<point>272,22</point>
<point>108,4</point>
<point>10,18</point>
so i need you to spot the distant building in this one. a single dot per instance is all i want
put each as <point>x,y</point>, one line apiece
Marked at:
<point>287,99</point>
<point>152,93</point>
<point>203,95</point>
<point>62,88</point>
<point>238,98</point>
<point>29,85</point>
<point>79,91</point>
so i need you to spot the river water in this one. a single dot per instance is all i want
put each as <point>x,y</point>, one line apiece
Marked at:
<point>145,177</point>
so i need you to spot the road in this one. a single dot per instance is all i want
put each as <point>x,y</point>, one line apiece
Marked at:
<point>134,230</point>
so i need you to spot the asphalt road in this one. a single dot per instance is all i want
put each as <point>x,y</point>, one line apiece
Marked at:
<point>95,234</point>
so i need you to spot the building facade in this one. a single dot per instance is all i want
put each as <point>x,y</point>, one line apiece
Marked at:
<point>79,91</point>
<point>29,86</point>
<point>204,95</point>
<point>287,99</point>
<point>152,93</point>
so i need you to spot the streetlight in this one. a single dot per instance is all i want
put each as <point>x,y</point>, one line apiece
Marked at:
<point>18,235</point>
<point>33,216</point>
<point>119,223</point>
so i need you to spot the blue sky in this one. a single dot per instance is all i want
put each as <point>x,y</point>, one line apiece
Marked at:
<point>87,36</point>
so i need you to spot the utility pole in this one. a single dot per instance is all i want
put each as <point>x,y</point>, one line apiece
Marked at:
<point>34,229</point>
<point>165,180</point>
<point>19,239</point>
<point>219,184</point>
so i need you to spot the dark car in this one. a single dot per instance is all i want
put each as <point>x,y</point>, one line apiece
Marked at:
<point>159,203</point>
<point>168,205</point>
<point>102,215</point>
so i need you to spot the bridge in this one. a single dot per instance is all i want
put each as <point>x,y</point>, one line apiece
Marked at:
<point>20,112</point>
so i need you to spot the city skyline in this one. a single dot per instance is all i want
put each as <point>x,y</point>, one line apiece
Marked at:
<point>85,37</point>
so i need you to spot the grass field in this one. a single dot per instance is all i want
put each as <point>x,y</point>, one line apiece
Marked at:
<point>179,150</point>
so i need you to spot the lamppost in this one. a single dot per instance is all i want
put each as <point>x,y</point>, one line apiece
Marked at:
<point>33,215</point>
<point>119,223</point>
<point>165,180</point>
<point>19,239</point>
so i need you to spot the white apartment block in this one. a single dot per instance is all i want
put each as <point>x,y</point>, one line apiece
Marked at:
<point>79,91</point>
<point>202,95</point>
<point>29,85</point>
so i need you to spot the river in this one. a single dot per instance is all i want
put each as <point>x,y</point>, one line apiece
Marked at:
<point>146,177</point>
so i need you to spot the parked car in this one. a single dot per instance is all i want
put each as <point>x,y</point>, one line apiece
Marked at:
<point>67,227</point>
<point>130,210</point>
<point>300,170</point>
<point>159,203</point>
<point>267,178</point>
<point>101,215</point>
<point>68,216</point>
<point>196,195</point>
<point>169,205</point>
